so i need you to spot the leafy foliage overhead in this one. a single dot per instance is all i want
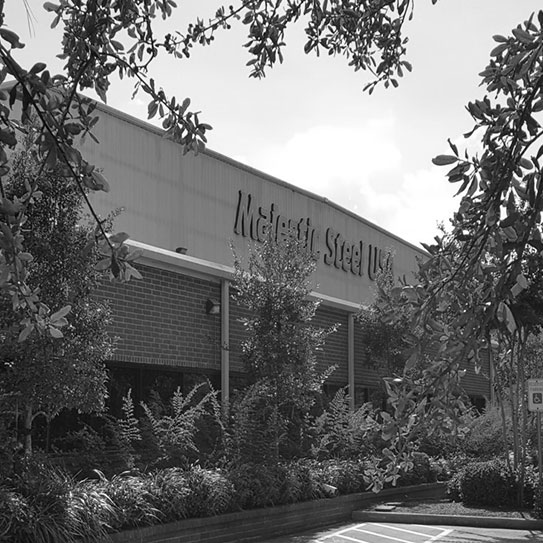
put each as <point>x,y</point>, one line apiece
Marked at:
<point>102,39</point>
<point>475,282</point>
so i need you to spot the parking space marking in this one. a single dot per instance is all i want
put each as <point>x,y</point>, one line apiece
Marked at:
<point>427,534</point>
<point>439,536</point>
<point>386,536</point>
<point>348,538</point>
<point>410,531</point>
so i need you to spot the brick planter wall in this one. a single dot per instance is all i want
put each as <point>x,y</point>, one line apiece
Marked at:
<point>253,525</point>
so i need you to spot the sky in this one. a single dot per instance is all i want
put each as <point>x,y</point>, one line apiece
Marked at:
<point>309,123</point>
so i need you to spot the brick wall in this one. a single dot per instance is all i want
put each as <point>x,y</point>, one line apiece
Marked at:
<point>237,334</point>
<point>161,320</point>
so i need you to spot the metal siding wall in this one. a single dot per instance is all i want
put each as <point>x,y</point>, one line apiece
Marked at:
<point>174,200</point>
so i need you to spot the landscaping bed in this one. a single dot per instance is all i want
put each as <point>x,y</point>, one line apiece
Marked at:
<point>254,524</point>
<point>445,506</point>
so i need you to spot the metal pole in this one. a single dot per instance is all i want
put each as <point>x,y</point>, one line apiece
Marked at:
<point>225,344</point>
<point>539,447</point>
<point>350,361</point>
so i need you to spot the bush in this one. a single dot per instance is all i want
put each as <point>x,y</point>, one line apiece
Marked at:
<point>485,483</point>
<point>212,493</point>
<point>345,475</point>
<point>339,433</point>
<point>538,502</point>
<point>483,438</point>
<point>256,485</point>
<point>91,511</point>
<point>169,493</point>
<point>422,471</point>
<point>132,501</point>
<point>47,505</point>
<point>300,483</point>
<point>15,515</point>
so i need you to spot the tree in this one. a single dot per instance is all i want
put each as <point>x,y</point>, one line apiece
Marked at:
<point>280,351</point>
<point>103,39</point>
<point>61,369</point>
<point>385,341</point>
<point>471,285</point>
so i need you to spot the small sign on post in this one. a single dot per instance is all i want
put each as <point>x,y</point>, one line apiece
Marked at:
<point>535,395</point>
<point>535,405</point>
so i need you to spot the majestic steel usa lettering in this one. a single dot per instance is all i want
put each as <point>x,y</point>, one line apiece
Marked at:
<point>358,258</point>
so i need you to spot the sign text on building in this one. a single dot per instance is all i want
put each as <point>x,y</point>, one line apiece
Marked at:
<point>357,258</point>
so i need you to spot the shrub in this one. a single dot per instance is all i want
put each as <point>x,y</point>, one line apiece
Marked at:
<point>132,500</point>
<point>538,502</point>
<point>454,487</point>
<point>422,471</point>
<point>437,442</point>
<point>15,515</point>
<point>55,508</point>
<point>345,475</point>
<point>251,427</point>
<point>256,485</point>
<point>212,493</point>
<point>91,511</point>
<point>485,483</point>
<point>300,483</point>
<point>340,433</point>
<point>175,431</point>
<point>169,493</point>
<point>483,438</point>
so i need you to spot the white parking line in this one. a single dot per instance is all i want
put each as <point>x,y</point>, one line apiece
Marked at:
<point>385,536</point>
<point>335,534</point>
<point>359,528</point>
<point>348,538</point>
<point>403,529</point>
<point>439,536</point>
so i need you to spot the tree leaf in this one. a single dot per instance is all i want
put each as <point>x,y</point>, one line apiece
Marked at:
<point>11,37</point>
<point>444,160</point>
<point>119,237</point>
<point>25,332</point>
<point>103,264</point>
<point>49,6</point>
<point>55,332</point>
<point>61,313</point>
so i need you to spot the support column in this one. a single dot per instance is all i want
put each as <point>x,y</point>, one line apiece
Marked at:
<point>225,343</point>
<point>350,360</point>
<point>492,375</point>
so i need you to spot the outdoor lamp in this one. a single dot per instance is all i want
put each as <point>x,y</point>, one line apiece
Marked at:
<point>213,307</point>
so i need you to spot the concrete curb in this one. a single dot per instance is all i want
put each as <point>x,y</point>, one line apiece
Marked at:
<point>448,520</point>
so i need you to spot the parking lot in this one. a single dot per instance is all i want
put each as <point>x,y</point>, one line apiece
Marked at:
<point>373,532</point>
<point>392,533</point>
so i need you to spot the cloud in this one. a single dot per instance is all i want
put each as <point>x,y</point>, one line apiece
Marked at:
<point>360,168</point>
<point>333,161</point>
<point>424,198</point>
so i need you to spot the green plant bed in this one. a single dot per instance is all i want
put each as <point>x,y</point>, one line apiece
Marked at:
<point>254,524</point>
<point>58,504</point>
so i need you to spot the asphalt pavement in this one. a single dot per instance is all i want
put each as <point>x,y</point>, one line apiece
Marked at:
<point>376,532</point>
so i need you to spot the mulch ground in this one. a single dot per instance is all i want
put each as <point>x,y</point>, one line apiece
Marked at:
<point>446,507</point>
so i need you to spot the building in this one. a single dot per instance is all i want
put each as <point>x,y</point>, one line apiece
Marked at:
<point>179,324</point>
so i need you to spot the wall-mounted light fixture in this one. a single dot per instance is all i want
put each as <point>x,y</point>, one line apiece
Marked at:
<point>213,307</point>
<point>181,250</point>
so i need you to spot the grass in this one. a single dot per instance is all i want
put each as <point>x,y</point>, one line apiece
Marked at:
<point>444,506</point>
